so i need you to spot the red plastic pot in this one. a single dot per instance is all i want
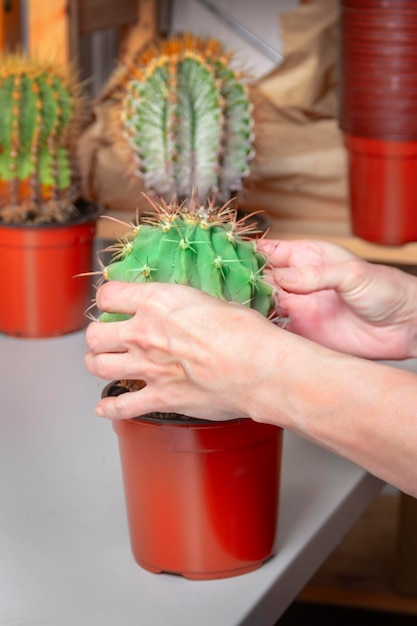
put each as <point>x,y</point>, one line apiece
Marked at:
<point>380,13</point>
<point>391,81</point>
<point>383,189</point>
<point>379,5</point>
<point>201,497</point>
<point>41,294</point>
<point>354,31</point>
<point>389,22</point>
<point>352,126</point>
<point>389,98</point>
<point>404,113</point>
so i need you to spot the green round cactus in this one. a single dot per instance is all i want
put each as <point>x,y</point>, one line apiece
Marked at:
<point>188,119</point>
<point>39,120</point>
<point>197,245</point>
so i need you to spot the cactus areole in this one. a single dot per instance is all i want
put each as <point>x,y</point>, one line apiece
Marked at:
<point>197,245</point>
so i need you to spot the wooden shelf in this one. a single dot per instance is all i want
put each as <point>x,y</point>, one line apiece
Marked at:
<point>55,27</point>
<point>336,231</point>
<point>339,232</point>
<point>361,572</point>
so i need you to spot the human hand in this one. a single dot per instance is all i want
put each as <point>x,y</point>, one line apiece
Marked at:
<point>334,298</point>
<point>197,354</point>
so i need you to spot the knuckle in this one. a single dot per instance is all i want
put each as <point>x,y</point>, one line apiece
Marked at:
<point>122,406</point>
<point>91,335</point>
<point>101,366</point>
<point>357,267</point>
<point>313,274</point>
<point>128,333</point>
<point>134,334</point>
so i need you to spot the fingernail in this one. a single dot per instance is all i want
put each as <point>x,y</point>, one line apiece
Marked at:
<point>99,411</point>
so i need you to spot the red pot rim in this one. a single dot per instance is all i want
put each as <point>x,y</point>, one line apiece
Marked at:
<point>381,132</point>
<point>380,123</point>
<point>364,50</point>
<point>380,147</point>
<point>90,213</point>
<point>406,124</point>
<point>375,88</point>
<point>368,94</point>
<point>360,67</point>
<point>356,58</point>
<point>390,108</point>
<point>126,428</point>
<point>377,4</point>
<point>380,13</point>
<point>196,436</point>
<point>392,35</point>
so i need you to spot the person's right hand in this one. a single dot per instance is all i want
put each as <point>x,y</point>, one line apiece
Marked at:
<point>333,297</point>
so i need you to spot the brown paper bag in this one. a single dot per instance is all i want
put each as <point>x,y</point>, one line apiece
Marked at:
<point>300,168</point>
<point>105,159</point>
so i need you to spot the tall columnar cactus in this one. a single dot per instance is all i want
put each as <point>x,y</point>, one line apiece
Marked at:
<point>197,245</point>
<point>40,113</point>
<point>188,119</point>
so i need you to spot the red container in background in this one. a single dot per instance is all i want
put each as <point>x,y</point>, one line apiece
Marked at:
<point>378,116</point>
<point>383,189</point>
<point>201,497</point>
<point>41,294</point>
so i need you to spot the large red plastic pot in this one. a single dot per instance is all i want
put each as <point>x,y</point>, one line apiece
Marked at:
<point>383,189</point>
<point>41,294</point>
<point>201,497</point>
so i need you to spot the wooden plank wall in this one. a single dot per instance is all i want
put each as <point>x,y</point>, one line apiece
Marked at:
<point>50,31</point>
<point>9,25</point>
<point>55,27</point>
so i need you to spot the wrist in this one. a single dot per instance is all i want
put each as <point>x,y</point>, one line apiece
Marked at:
<point>284,369</point>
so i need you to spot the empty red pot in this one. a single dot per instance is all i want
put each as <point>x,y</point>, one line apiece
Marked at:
<point>380,5</point>
<point>383,189</point>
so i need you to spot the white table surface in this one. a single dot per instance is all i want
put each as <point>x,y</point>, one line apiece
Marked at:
<point>65,558</point>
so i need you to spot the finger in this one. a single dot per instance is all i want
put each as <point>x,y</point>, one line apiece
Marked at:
<point>281,306</point>
<point>287,253</point>
<point>106,337</point>
<point>342,277</point>
<point>122,297</point>
<point>129,405</point>
<point>303,252</point>
<point>114,366</point>
<point>267,246</point>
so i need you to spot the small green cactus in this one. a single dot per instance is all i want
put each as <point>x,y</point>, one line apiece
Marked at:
<point>197,245</point>
<point>40,114</point>
<point>188,119</point>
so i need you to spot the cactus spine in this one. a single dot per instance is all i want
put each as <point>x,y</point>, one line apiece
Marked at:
<point>190,244</point>
<point>188,119</point>
<point>40,113</point>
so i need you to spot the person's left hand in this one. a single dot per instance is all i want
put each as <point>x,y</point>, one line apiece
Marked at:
<point>195,353</point>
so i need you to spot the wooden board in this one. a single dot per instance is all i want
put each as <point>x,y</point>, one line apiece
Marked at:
<point>50,29</point>
<point>406,570</point>
<point>361,572</point>
<point>96,15</point>
<point>55,26</point>
<point>9,26</point>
